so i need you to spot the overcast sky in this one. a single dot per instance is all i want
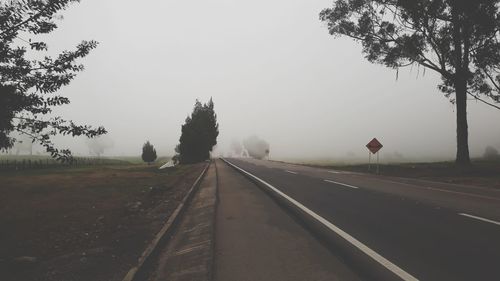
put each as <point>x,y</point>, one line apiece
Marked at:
<point>273,71</point>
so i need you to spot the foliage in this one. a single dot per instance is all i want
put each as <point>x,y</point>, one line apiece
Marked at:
<point>98,145</point>
<point>490,153</point>
<point>456,38</point>
<point>236,148</point>
<point>28,86</point>
<point>256,147</point>
<point>148,153</point>
<point>199,134</point>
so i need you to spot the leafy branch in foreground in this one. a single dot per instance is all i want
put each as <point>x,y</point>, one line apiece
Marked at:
<point>28,86</point>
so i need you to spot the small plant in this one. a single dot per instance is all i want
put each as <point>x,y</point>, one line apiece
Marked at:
<point>148,153</point>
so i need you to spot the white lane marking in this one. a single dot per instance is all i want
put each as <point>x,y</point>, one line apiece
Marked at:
<point>441,190</point>
<point>343,172</point>
<point>291,172</point>
<point>479,218</point>
<point>339,183</point>
<point>365,249</point>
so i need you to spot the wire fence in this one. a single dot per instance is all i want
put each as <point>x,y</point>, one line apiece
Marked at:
<point>46,163</point>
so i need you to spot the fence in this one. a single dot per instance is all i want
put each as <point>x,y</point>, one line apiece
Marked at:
<point>46,163</point>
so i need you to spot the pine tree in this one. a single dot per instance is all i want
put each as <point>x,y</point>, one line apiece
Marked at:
<point>148,153</point>
<point>198,134</point>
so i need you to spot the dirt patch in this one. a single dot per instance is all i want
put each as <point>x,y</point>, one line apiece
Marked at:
<point>84,224</point>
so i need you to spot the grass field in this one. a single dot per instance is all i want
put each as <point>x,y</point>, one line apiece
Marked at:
<point>84,223</point>
<point>30,162</point>
<point>480,173</point>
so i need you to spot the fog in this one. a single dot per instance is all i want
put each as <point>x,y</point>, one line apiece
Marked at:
<point>273,71</point>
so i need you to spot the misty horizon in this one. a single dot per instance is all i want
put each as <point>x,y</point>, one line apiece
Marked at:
<point>282,78</point>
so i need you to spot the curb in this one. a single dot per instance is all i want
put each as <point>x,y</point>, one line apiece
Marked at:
<point>167,229</point>
<point>211,273</point>
<point>370,268</point>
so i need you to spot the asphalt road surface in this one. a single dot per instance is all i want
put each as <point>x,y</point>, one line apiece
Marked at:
<point>257,240</point>
<point>430,231</point>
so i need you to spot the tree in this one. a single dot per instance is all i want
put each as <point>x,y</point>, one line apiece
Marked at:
<point>148,153</point>
<point>98,145</point>
<point>236,148</point>
<point>28,87</point>
<point>198,134</point>
<point>490,153</point>
<point>256,147</point>
<point>459,39</point>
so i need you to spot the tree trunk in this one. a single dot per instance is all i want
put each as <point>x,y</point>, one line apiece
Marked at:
<point>463,158</point>
<point>461,62</point>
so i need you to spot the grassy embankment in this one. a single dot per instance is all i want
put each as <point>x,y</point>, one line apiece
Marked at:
<point>484,173</point>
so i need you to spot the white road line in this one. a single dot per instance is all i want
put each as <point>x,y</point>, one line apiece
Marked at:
<point>441,190</point>
<point>362,247</point>
<point>339,183</point>
<point>291,172</point>
<point>479,218</point>
<point>343,172</point>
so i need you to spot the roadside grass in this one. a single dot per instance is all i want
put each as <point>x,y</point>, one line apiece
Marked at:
<point>481,173</point>
<point>138,160</point>
<point>91,222</point>
<point>42,162</point>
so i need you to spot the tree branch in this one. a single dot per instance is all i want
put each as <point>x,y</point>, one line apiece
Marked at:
<point>481,100</point>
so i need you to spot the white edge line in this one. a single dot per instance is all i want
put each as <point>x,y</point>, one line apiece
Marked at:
<point>291,172</point>
<point>415,186</point>
<point>343,172</point>
<point>339,183</point>
<point>479,218</point>
<point>365,249</point>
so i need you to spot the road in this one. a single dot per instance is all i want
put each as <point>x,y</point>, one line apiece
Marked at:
<point>258,240</point>
<point>429,231</point>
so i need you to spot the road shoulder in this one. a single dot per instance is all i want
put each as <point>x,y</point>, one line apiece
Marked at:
<point>189,252</point>
<point>257,240</point>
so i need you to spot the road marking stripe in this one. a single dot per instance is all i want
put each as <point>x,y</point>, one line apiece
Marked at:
<point>441,190</point>
<point>291,172</point>
<point>343,172</point>
<point>479,218</point>
<point>365,249</point>
<point>339,183</point>
<point>463,193</point>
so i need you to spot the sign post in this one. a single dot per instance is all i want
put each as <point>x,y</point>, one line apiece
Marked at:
<point>369,160</point>
<point>374,146</point>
